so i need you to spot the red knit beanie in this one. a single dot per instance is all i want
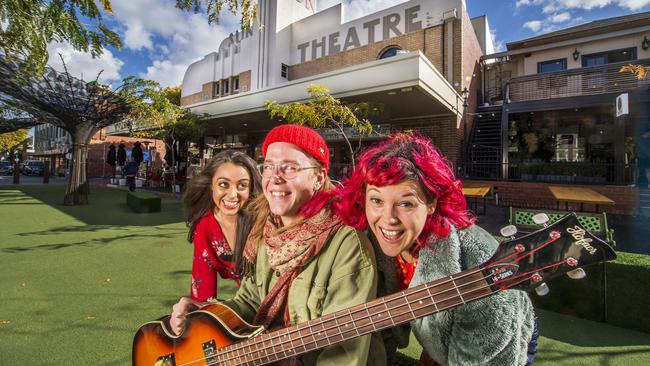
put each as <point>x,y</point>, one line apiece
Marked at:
<point>303,137</point>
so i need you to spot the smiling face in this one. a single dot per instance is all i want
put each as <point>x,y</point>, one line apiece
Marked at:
<point>230,189</point>
<point>396,215</point>
<point>287,196</point>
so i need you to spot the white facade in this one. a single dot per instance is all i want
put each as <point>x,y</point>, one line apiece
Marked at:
<point>293,33</point>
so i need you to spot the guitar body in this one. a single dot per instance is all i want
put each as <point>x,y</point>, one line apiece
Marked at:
<point>206,330</point>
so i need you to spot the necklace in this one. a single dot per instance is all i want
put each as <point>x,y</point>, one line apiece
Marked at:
<point>405,271</point>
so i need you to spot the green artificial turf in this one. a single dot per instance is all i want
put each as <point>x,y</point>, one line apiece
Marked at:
<point>77,282</point>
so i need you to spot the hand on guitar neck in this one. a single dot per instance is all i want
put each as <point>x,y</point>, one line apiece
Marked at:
<point>179,313</point>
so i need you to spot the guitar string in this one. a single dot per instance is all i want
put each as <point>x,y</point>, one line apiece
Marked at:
<point>277,355</point>
<point>234,348</point>
<point>424,288</point>
<point>237,347</point>
<point>261,340</point>
<point>258,340</point>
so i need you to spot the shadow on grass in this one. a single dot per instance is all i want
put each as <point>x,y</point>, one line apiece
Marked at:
<point>586,333</point>
<point>92,242</point>
<point>107,206</point>
<point>604,357</point>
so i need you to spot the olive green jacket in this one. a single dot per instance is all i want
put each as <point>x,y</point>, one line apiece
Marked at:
<point>342,275</point>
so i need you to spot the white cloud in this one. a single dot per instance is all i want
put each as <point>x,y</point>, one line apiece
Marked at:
<point>560,17</point>
<point>173,38</point>
<point>533,25</point>
<point>136,38</point>
<point>82,65</point>
<point>499,45</point>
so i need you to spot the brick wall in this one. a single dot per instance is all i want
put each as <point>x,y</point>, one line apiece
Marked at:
<point>245,81</point>
<point>428,41</point>
<point>207,89</point>
<point>442,130</point>
<point>469,64</point>
<point>525,194</point>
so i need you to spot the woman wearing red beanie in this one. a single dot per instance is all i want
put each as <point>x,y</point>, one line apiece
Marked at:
<point>306,262</point>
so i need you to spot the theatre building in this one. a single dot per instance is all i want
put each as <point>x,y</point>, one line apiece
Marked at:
<point>415,58</point>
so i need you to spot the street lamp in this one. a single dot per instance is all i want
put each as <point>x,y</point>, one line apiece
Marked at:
<point>465,94</point>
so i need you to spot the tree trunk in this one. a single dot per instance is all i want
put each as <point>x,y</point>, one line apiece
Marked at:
<point>46,171</point>
<point>16,163</point>
<point>77,191</point>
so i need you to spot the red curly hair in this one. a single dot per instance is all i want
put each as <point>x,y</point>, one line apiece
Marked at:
<point>403,156</point>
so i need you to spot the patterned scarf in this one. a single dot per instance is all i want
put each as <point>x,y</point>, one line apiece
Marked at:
<point>288,250</point>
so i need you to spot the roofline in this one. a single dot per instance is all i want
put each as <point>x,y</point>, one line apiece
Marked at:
<point>599,28</point>
<point>568,42</point>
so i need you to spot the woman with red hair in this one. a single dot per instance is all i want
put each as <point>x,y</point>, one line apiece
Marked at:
<point>404,190</point>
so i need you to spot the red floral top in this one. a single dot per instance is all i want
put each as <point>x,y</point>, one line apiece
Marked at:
<point>212,255</point>
<point>405,271</point>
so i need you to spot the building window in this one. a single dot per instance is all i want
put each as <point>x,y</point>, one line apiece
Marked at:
<point>389,52</point>
<point>603,58</point>
<point>216,90</point>
<point>284,72</point>
<point>235,84</point>
<point>551,66</point>
<point>224,86</point>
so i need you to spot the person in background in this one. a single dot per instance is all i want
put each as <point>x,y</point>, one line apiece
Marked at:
<point>404,190</point>
<point>130,170</point>
<point>215,204</point>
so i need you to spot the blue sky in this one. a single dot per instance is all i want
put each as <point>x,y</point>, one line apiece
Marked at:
<point>161,41</point>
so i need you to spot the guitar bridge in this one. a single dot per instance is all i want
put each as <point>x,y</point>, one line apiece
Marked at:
<point>209,349</point>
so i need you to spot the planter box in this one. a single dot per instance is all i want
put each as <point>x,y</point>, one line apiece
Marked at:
<point>143,202</point>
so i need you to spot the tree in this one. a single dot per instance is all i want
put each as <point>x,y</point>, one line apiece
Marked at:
<point>28,26</point>
<point>11,142</point>
<point>325,111</point>
<point>78,107</point>
<point>639,71</point>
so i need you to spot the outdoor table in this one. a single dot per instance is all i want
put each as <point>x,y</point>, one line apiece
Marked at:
<point>579,195</point>
<point>476,193</point>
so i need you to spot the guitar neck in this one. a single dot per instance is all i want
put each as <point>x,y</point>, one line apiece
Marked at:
<point>386,312</point>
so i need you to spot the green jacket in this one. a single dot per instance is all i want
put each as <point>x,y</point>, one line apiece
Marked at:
<point>342,275</point>
<point>495,330</point>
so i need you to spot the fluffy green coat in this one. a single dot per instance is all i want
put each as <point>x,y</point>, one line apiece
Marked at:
<point>492,331</point>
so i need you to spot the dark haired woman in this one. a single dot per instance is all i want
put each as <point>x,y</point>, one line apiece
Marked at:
<point>214,204</point>
<point>404,190</point>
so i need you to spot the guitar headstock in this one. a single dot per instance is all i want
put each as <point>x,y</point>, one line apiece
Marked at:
<point>525,263</point>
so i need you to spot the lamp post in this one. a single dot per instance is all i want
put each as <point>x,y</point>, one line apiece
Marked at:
<point>464,147</point>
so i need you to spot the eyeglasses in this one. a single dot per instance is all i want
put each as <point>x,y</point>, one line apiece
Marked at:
<point>286,170</point>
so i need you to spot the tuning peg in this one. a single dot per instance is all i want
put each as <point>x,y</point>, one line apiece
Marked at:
<point>540,219</point>
<point>542,290</point>
<point>577,274</point>
<point>508,231</point>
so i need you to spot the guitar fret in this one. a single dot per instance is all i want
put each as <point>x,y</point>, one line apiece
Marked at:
<point>406,299</point>
<point>354,325</point>
<point>433,301</point>
<point>457,290</point>
<point>390,316</point>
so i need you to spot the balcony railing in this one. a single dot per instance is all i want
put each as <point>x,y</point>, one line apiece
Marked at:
<point>575,82</point>
<point>552,172</point>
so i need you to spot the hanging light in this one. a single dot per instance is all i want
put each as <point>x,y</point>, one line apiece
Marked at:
<point>576,54</point>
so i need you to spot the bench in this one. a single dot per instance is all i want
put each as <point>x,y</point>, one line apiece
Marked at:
<point>143,202</point>
<point>595,223</point>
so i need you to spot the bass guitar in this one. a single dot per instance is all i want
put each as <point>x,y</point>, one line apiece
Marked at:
<point>216,335</point>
